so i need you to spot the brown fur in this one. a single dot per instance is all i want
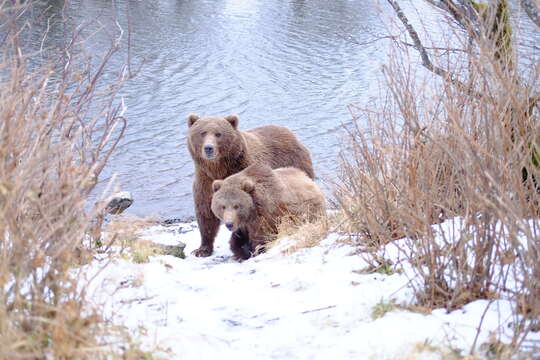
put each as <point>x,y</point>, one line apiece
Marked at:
<point>254,201</point>
<point>234,150</point>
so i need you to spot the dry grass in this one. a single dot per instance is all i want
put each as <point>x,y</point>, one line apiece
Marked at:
<point>295,235</point>
<point>55,139</point>
<point>127,236</point>
<point>438,149</point>
<point>127,228</point>
<point>382,308</point>
<point>425,349</point>
<point>140,251</point>
<point>126,233</point>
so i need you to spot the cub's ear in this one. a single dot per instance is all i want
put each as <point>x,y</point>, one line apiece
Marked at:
<point>191,119</point>
<point>248,186</point>
<point>216,185</point>
<point>233,120</point>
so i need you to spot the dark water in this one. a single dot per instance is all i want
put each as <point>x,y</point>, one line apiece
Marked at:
<point>296,63</point>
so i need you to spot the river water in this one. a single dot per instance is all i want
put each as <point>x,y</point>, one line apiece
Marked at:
<point>296,63</point>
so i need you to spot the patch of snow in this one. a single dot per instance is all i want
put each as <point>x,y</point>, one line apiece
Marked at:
<point>311,304</point>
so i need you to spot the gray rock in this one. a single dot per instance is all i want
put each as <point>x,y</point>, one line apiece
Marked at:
<point>173,250</point>
<point>119,202</point>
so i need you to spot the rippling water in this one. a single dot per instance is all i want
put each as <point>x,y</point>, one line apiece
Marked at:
<point>296,63</point>
<point>293,63</point>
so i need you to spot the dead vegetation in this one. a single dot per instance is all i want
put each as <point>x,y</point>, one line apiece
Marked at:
<point>295,235</point>
<point>456,144</point>
<point>58,127</point>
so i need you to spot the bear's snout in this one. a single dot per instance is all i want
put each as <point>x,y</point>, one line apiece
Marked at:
<point>229,218</point>
<point>209,151</point>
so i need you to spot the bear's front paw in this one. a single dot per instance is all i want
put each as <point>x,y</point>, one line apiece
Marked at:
<point>241,253</point>
<point>203,251</point>
<point>240,258</point>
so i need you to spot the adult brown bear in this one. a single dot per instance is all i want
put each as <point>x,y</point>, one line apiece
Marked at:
<point>219,149</point>
<point>253,202</point>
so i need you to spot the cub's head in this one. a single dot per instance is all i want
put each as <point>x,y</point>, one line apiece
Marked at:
<point>233,203</point>
<point>210,138</point>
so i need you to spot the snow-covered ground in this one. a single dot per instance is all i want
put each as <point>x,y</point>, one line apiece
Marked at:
<point>312,304</point>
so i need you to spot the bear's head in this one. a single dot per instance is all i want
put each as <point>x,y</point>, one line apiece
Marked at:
<point>233,203</point>
<point>211,138</point>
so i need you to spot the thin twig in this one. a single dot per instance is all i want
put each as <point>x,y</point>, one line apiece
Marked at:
<point>319,309</point>
<point>479,328</point>
<point>426,61</point>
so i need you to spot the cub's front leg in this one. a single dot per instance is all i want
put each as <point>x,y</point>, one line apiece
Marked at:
<point>240,245</point>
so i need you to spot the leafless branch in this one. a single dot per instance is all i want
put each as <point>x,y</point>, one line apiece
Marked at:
<point>426,62</point>
<point>372,41</point>
<point>444,49</point>
<point>532,9</point>
<point>438,4</point>
<point>318,309</point>
<point>417,44</point>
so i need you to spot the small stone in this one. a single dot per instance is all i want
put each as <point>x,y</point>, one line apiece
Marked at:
<point>178,221</point>
<point>119,202</point>
<point>170,222</point>
<point>173,250</point>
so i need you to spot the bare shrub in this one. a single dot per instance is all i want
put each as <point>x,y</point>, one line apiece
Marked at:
<point>55,139</point>
<point>461,145</point>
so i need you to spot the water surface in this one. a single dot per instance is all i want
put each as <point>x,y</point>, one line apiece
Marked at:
<point>296,63</point>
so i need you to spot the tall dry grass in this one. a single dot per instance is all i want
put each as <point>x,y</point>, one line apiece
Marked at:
<point>58,127</point>
<point>438,149</point>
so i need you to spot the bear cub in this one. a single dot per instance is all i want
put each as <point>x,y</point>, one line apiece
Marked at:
<point>254,201</point>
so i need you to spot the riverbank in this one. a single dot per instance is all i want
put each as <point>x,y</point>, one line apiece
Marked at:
<point>315,303</point>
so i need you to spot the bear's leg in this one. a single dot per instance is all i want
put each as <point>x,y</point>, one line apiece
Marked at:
<point>208,222</point>
<point>240,244</point>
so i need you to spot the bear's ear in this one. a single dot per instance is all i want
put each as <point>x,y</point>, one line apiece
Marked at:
<point>192,118</point>
<point>216,185</point>
<point>248,186</point>
<point>233,120</point>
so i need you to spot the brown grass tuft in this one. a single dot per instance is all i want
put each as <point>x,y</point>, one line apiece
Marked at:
<point>299,234</point>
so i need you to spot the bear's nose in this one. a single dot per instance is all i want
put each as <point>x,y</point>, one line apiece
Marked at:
<point>229,225</point>
<point>208,149</point>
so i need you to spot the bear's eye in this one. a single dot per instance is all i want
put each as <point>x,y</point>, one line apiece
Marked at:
<point>222,207</point>
<point>218,135</point>
<point>235,207</point>
<point>203,133</point>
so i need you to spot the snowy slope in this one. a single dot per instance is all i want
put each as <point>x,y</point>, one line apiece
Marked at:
<point>312,304</point>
